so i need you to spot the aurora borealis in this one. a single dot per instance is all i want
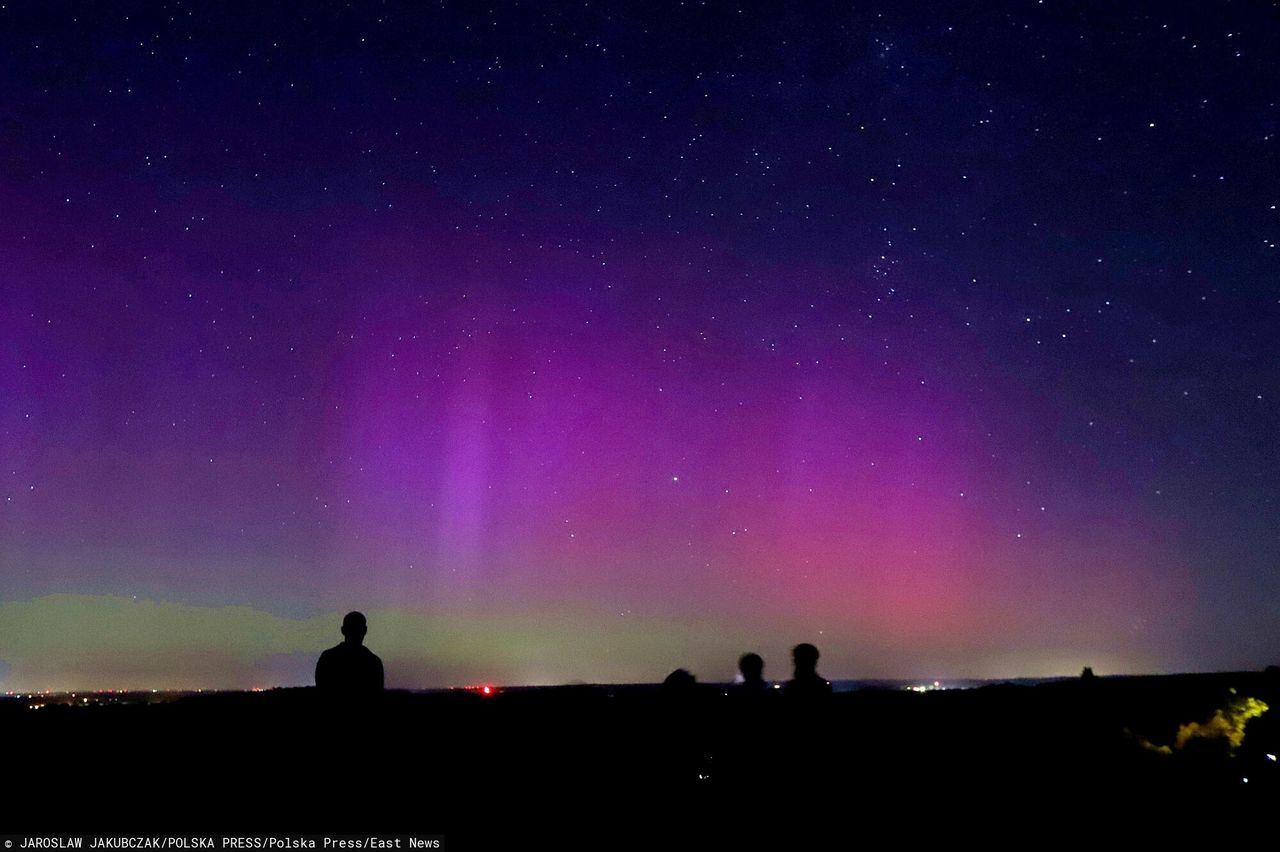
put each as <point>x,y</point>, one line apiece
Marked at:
<point>585,341</point>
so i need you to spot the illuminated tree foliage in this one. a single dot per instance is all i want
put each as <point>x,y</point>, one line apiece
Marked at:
<point>1227,723</point>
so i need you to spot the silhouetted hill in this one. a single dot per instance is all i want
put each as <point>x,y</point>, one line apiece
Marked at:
<point>451,761</point>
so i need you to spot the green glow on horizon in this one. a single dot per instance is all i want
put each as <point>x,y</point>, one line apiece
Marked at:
<point>85,642</point>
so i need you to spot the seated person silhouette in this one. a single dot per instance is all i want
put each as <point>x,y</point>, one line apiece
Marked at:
<point>680,685</point>
<point>751,666</point>
<point>350,668</point>
<point>807,684</point>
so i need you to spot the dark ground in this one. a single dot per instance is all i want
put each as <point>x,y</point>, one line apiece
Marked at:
<point>552,762</point>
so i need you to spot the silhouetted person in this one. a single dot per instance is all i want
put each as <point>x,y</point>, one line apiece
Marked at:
<point>680,750</point>
<point>807,727</point>
<point>679,686</point>
<point>745,760</point>
<point>751,666</point>
<point>806,684</point>
<point>350,668</point>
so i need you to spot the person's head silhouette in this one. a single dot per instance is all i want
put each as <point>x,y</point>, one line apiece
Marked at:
<point>752,668</point>
<point>805,657</point>
<point>354,627</point>
<point>680,682</point>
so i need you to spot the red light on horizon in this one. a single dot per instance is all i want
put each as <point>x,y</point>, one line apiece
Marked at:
<point>485,689</point>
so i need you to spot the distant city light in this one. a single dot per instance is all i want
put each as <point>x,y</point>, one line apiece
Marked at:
<point>926,687</point>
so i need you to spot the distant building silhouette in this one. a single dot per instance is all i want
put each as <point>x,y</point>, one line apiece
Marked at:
<point>350,667</point>
<point>806,683</point>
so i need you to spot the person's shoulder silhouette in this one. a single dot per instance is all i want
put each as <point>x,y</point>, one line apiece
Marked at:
<point>350,667</point>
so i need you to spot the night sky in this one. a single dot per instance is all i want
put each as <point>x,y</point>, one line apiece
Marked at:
<point>578,342</point>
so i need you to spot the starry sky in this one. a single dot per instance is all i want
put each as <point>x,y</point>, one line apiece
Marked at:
<point>582,341</point>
